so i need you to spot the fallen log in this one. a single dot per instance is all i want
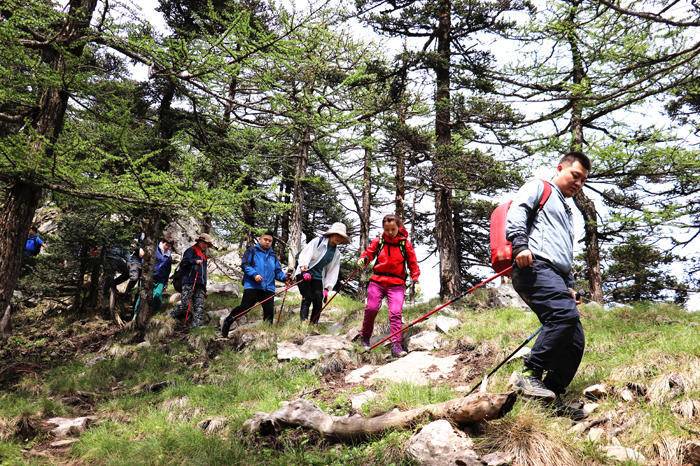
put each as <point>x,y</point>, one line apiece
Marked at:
<point>468,410</point>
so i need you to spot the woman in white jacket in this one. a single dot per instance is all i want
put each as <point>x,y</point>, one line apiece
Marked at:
<point>319,265</point>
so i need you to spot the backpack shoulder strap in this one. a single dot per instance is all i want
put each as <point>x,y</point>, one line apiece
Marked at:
<point>545,194</point>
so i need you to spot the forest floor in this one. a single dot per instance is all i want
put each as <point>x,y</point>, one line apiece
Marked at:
<point>145,399</point>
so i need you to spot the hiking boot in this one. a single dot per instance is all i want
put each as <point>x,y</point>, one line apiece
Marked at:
<point>226,326</point>
<point>531,387</point>
<point>365,344</point>
<point>397,350</point>
<point>571,411</point>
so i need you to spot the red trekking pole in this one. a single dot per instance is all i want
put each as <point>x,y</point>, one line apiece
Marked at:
<point>440,307</point>
<point>345,282</point>
<point>241,314</point>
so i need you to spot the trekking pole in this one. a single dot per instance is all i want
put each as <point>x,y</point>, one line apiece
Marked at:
<point>241,314</point>
<point>440,307</point>
<point>279,313</point>
<point>505,360</point>
<point>345,282</point>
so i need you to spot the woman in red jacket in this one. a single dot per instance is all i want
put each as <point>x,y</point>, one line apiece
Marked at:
<point>393,252</point>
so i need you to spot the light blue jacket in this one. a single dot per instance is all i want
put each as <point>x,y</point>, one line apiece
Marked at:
<point>551,236</point>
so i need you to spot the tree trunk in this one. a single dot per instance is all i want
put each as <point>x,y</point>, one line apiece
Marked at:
<point>23,197</point>
<point>400,159</point>
<point>444,229</point>
<point>365,215</point>
<point>584,204</point>
<point>294,243</point>
<point>468,410</point>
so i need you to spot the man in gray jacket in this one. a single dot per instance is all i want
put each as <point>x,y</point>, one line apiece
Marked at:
<point>543,254</point>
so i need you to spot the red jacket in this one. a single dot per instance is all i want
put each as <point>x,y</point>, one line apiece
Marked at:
<point>390,269</point>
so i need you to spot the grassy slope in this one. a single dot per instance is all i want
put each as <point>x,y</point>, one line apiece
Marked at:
<point>628,345</point>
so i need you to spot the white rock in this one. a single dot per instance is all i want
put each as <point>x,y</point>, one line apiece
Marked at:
<point>427,340</point>
<point>65,426</point>
<point>521,353</point>
<point>589,408</point>
<point>444,324</point>
<point>621,453</point>
<point>439,444</point>
<point>224,288</point>
<point>505,296</point>
<point>498,458</point>
<point>359,400</point>
<point>312,348</point>
<point>596,392</point>
<point>595,434</point>
<point>627,395</point>
<point>63,443</point>
<point>418,367</point>
<point>358,375</point>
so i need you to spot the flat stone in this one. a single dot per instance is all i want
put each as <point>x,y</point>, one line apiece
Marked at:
<point>498,458</point>
<point>359,400</point>
<point>438,443</point>
<point>589,408</point>
<point>621,453</point>
<point>596,392</point>
<point>312,348</point>
<point>418,367</point>
<point>521,353</point>
<point>358,375</point>
<point>595,434</point>
<point>444,324</point>
<point>63,443</point>
<point>427,340</point>
<point>70,426</point>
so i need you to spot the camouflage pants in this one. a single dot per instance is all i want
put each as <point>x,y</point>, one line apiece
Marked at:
<point>196,308</point>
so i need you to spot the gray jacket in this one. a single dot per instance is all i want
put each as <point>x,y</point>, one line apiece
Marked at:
<point>551,236</point>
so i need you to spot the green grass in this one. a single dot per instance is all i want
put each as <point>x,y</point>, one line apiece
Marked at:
<point>625,345</point>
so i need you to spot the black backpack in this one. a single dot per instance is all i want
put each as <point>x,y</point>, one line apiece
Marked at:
<point>177,278</point>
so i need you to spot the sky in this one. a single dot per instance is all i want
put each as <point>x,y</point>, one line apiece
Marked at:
<point>540,169</point>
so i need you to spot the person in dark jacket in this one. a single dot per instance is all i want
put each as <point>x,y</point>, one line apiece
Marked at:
<point>161,271</point>
<point>194,280</point>
<point>261,268</point>
<point>393,254</point>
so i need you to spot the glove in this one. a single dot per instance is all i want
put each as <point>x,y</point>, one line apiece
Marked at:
<point>306,277</point>
<point>325,295</point>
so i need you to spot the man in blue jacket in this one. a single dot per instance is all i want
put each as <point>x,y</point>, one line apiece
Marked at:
<point>543,243</point>
<point>261,268</point>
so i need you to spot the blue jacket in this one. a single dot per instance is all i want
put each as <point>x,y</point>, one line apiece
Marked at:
<point>192,270</point>
<point>265,264</point>
<point>33,245</point>
<point>162,266</point>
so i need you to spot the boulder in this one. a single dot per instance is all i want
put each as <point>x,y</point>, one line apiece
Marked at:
<point>438,443</point>
<point>66,427</point>
<point>505,296</point>
<point>357,401</point>
<point>427,340</point>
<point>418,367</point>
<point>312,348</point>
<point>444,324</point>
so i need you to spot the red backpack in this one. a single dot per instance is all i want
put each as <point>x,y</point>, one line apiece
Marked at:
<point>501,248</point>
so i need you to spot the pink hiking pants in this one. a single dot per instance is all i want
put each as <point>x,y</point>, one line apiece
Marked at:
<point>395,297</point>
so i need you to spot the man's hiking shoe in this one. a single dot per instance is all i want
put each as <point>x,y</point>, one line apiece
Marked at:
<point>571,411</point>
<point>365,344</point>
<point>531,387</point>
<point>226,326</point>
<point>397,350</point>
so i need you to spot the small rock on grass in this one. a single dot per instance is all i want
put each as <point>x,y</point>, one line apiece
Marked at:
<point>620,453</point>
<point>595,434</point>
<point>70,426</point>
<point>498,458</point>
<point>213,425</point>
<point>438,443</point>
<point>589,408</point>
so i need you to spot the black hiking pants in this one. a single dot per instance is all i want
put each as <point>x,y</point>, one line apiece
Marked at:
<point>312,295</point>
<point>252,296</point>
<point>559,347</point>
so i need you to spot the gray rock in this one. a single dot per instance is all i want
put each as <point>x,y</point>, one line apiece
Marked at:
<point>620,453</point>
<point>595,434</point>
<point>70,426</point>
<point>359,400</point>
<point>438,443</point>
<point>418,367</point>
<point>444,324</point>
<point>224,288</point>
<point>312,348</point>
<point>427,340</point>
<point>359,374</point>
<point>505,296</point>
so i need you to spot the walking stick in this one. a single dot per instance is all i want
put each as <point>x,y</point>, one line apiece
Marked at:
<point>440,307</point>
<point>241,314</point>
<point>505,360</point>
<point>279,313</point>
